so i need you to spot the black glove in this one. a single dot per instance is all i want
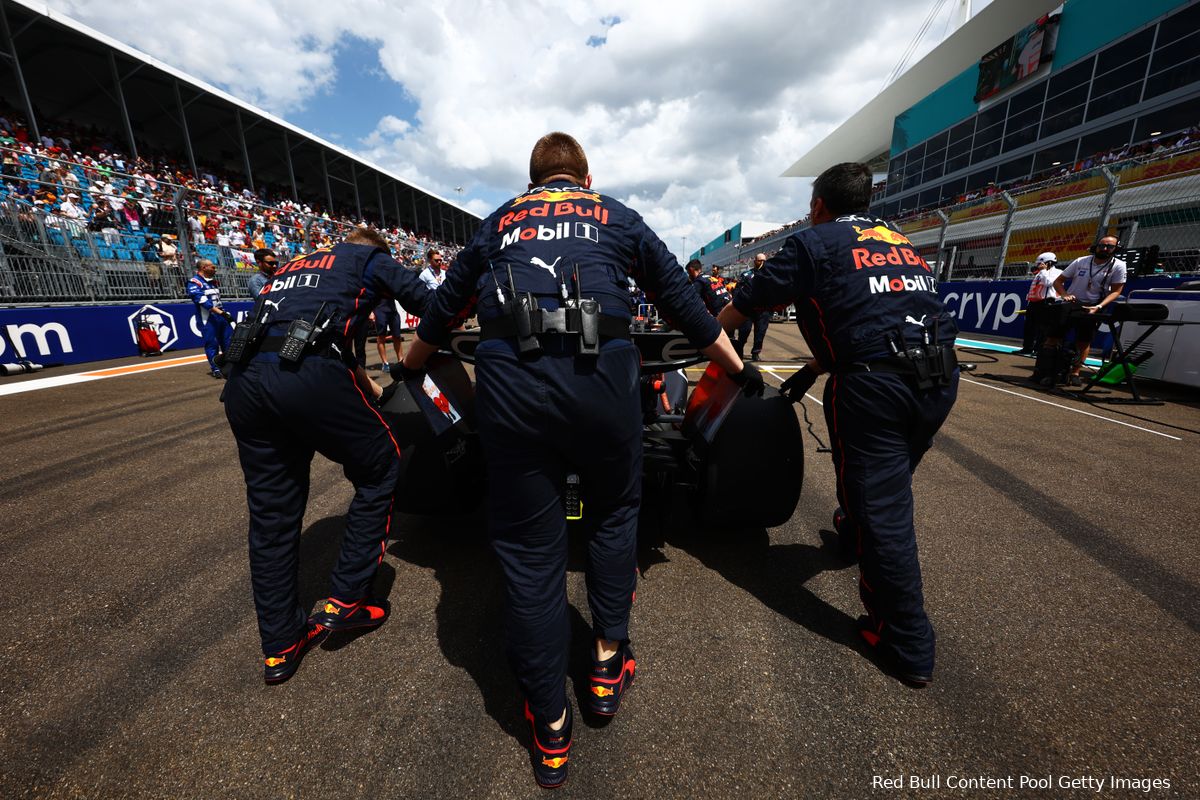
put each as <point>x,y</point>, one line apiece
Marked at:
<point>388,391</point>
<point>800,382</point>
<point>399,372</point>
<point>750,379</point>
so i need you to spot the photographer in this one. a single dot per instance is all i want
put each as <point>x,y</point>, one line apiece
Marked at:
<point>1095,281</point>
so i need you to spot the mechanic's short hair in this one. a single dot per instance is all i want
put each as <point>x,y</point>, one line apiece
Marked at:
<point>557,153</point>
<point>430,253</point>
<point>262,252</point>
<point>368,236</point>
<point>695,264</point>
<point>845,188</point>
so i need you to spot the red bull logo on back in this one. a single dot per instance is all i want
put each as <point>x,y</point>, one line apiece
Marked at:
<point>556,196</point>
<point>881,233</point>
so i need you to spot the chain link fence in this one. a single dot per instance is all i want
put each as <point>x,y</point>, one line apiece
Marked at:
<point>71,242</point>
<point>1152,203</point>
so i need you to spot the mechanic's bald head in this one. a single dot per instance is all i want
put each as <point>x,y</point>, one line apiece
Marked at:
<point>558,156</point>
<point>206,267</point>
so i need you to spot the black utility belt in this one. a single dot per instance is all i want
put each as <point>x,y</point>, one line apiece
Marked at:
<point>563,320</point>
<point>930,365</point>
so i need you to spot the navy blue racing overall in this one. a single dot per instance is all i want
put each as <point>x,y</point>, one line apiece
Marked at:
<point>545,415</point>
<point>860,289</point>
<point>281,413</point>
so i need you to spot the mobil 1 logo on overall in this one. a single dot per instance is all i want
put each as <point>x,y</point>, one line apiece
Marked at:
<point>550,233</point>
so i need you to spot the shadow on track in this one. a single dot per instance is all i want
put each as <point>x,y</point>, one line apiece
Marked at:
<point>776,575</point>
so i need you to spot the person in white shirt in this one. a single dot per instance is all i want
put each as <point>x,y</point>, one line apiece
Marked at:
<point>433,275</point>
<point>1041,290</point>
<point>1095,282</point>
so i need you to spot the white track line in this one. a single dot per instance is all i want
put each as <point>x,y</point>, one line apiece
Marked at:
<point>775,375</point>
<point>96,375</point>
<point>1068,408</point>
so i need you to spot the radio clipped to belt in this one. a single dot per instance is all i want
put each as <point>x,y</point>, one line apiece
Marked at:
<point>301,335</point>
<point>930,363</point>
<point>246,335</point>
<point>524,320</point>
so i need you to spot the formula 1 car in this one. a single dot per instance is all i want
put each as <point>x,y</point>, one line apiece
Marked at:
<point>736,462</point>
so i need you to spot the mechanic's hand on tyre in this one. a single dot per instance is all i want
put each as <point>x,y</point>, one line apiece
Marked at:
<point>750,379</point>
<point>801,381</point>
<point>402,373</point>
<point>387,393</point>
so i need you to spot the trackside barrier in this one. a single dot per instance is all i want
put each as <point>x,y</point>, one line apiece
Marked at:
<point>79,334</point>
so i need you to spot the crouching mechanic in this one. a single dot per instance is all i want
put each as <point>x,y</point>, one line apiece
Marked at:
<point>215,323</point>
<point>867,306</point>
<point>296,393</point>
<point>557,395</point>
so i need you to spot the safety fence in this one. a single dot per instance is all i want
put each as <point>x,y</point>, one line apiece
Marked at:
<point>1151,203</point>
<point>114,238</point>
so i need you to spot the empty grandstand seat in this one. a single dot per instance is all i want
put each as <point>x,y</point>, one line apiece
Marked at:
<point>56,237</point>
<point>82,247</point>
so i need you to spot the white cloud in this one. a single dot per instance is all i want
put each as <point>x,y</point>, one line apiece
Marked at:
<point>689,111</point>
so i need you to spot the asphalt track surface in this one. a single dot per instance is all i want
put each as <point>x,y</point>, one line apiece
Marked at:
<point>1060,556</point>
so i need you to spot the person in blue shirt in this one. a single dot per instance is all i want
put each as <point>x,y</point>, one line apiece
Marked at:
<point>215,323</point>
<point>267,262</point>
<point>867,306</point>
<point>563,403</point>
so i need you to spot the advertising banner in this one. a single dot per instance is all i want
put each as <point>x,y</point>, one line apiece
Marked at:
<point>74,335</point>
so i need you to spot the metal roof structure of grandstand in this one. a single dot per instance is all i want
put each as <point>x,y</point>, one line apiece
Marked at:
<point>160,85</point>
<point>866,136</point>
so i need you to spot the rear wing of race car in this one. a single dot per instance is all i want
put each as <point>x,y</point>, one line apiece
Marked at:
<point>662,351</point>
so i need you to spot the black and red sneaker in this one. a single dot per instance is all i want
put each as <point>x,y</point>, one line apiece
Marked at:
<point>278,667</point>
<point>339,615</point>
<point>885,657</point>
<point>610,679</point>
<point>550,749</point>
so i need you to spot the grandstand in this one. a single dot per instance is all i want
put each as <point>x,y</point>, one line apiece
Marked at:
<point>1085,119</point>
<point>120,171</point>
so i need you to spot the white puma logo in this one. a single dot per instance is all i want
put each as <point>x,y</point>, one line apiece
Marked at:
<point>271,303</point>
<point>537,262</point>
<point>918,322</point>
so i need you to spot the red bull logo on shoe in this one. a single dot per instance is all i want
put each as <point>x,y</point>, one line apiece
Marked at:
<point>881,233</point>
<point>602,691</point>
<point>554,763</point>
<point>275,661</point>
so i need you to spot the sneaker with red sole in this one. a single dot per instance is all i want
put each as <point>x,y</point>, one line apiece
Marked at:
<point>609,681</point>
<point>278,667</point>
<point>550,749</point>
<point>339,615</point>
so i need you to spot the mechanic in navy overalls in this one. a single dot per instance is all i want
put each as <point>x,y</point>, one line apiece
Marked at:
<point>214,322</point>
<point>563,403</point>
<point>867,305</point>
<point>714,295</point>
<point>282,410</point>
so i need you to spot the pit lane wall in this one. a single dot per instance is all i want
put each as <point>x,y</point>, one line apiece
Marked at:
<point>993,307</point>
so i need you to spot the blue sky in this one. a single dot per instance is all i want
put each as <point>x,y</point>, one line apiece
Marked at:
<point>689,110</point>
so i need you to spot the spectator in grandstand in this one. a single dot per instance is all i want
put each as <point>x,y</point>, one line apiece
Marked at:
<point>893,381</point>
<point>212,319</point>
<point>1095,282</point>
<point>267,262</point>
<point>435,273</point>
<point>1041,291</point>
